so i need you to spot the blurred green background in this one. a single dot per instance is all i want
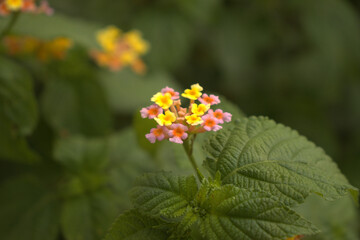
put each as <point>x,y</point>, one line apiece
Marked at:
<point>66,145</point>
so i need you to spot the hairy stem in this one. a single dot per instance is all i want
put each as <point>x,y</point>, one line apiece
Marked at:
<point>188,146</point>
<point>10,25</point>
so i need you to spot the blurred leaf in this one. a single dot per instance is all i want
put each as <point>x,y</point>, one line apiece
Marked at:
<point>88,217</point>
<point>28,210</point>
<point>127,162</point>
<point>78,153</point>
<point>17,96</point>
<point>169,35</point>
<point>142,127</point>
<point>80,31</point>
<point>73,100</point>
<point>12,145</point>
<point>128,92</point>
<point>201,10</point>
<point>337,220</point>
<point>76,219</point>
<point>133,225</point>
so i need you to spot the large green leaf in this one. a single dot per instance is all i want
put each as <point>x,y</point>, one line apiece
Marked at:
<point>235,213</point>
<point>163,194</point>
<point>28,209</point>
<point>17,96</point>
<point>257,153</point>
<point>134,225</point>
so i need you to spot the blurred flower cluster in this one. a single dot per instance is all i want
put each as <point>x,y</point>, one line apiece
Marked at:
<point>120,49</point>
<point>54,49</point>
<point>175,122</point>
<point>8,6</point>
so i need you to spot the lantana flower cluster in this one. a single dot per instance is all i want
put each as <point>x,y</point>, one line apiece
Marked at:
<point>176,122</point>
<point>120,50</point>
<point>44,50</point>
<point>28,6</point>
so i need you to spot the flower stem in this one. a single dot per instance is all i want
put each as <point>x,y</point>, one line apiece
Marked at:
<point>188,146</point>
<point>10,25</point>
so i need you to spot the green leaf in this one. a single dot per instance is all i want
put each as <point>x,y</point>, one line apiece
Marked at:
<point>127,162</point>
<point>17,96</point>
<point>337,220</point>
<point>76,219</point>
<point>257,153</point>
<point>78,30</point>
<point>133,225</point>
<point>13,147</point>
<point>28,209</point>
<point>163,194</point>
<point>88,216</point>
<point>79,153</point>
<point>235,213</point>
<point>74,101</point>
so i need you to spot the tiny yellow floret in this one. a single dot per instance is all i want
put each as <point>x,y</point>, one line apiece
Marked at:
<point>14,5</point>
<point>193,93</point>
<point>108,37</point>
<point>200,109</point>
<point>133,38</point>
<point>194,120</point>
<point>166,119</point>
<point>163,100</point>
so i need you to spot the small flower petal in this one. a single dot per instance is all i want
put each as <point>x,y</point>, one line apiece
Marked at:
<point>212,99</point>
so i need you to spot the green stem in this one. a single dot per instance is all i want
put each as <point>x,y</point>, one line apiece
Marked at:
<point>188,146</point>
<point>10,25</point>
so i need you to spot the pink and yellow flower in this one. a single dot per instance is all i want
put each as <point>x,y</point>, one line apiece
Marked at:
<point>200,109</point>
<point>165,119</point>
<point>193,93</point>
<point>194,120</point>
<point>120,49</point>
<point>151,111</point>
<point>220,115</point>
<point>159,133</point>
<point>178,133</point>
<point>210,123</point>
<point>206,99</point>
<point>163,100</point>
<point>178,122</point>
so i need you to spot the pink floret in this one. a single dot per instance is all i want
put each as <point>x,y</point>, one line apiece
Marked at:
<point>158,133</point>
<point>174,95</point>
<point>210,123</point>
<point>220,115</point>
<point>206,99</point>
<point>178,133</point>
<point>151,111</point>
